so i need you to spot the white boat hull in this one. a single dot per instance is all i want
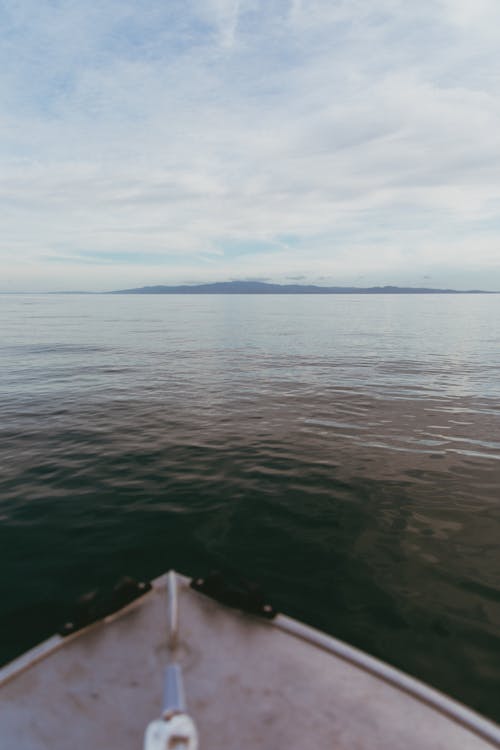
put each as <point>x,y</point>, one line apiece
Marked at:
<point>249,683</point>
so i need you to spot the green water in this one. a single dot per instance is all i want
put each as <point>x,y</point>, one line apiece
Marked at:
<point>342,451</point>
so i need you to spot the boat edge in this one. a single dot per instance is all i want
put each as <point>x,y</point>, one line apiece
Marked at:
<point>469,719</point>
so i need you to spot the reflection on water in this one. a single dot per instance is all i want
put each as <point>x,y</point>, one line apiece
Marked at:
<point>342,451</point>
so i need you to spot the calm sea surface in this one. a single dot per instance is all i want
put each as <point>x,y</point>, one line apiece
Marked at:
<point>344,451</point>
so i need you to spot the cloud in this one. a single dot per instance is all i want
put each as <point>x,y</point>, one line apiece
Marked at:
<point>221,138</point>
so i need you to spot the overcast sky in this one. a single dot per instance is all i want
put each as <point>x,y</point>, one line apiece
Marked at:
<point>331,141</point>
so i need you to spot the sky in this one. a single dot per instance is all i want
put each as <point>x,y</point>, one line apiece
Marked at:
<point>345,142</point>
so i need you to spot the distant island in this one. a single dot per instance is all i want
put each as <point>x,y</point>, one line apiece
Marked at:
<point>261,287</point>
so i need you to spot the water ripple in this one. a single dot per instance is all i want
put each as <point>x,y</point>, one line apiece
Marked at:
<point>344,453</point>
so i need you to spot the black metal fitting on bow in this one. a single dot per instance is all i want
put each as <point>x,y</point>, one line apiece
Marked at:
<point>243,595</point>
<point>99,604</point>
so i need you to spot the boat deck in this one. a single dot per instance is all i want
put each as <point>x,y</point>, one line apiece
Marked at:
<point>249,683</point>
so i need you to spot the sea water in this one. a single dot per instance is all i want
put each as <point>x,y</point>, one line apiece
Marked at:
<point>343,451</point>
